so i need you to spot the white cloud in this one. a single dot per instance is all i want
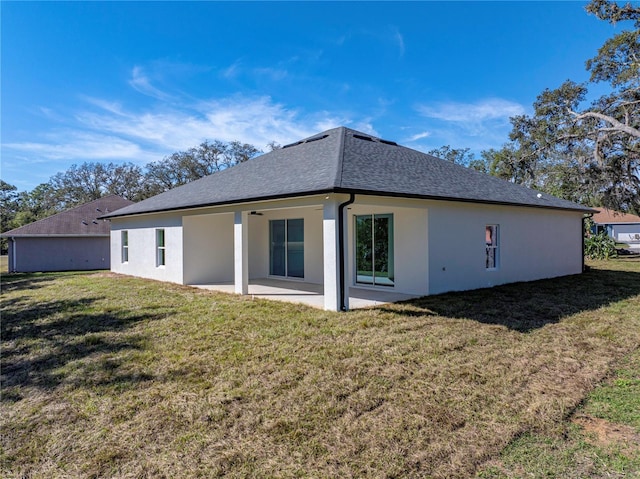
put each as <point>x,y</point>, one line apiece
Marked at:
<point>231,71</point>
<point>75,145</point>
<point>110,106</point>
<point>141,83</point>
<point>366,126</point>
<point>488,109</point>
<point>399,40</point>
<point>107,130</point>
<point>419,136</point>
<point>479,125</point>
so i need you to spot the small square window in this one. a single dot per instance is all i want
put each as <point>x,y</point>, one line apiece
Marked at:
<point>160,248</point>
<point>491,245</point>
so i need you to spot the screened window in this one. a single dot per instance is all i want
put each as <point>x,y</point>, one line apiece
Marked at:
<point>286,251</point>
<point>160,248</point>
<point>491,242</point>
<point>374,250</point>
<point>124,235</point>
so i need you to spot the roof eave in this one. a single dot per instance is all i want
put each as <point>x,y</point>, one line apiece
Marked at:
<point>221,203</point>
<point>461,200</point>
<point>345,191</point>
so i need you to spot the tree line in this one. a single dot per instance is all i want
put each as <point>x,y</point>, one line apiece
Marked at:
<point>91,180</point>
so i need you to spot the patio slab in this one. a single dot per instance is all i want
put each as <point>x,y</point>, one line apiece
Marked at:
<point>307,293</point>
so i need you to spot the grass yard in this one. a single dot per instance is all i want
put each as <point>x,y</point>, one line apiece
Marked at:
<point>111,376</point>
<point>4,263</point>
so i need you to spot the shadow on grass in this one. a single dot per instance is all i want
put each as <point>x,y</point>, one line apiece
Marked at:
<point>528,306</point>
<point>13,281</point>
<point>71,342</point>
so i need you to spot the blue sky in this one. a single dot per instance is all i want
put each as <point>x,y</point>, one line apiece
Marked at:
<point>136,81</point>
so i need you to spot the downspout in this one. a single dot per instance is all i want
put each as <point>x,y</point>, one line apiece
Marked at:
<point>584,218</point>
<point>352,198</point>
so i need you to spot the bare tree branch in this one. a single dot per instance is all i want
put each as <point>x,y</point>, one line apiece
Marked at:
<point>617,125</point>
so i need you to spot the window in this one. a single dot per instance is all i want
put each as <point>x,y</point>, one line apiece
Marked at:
<point>374,250</point>
<point>160,248</point>
<point>124,240</point>
<point>286,250</point>
<point>491,243</point>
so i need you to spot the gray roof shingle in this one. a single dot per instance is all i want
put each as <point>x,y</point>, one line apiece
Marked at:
<point>79,221</point>
<point>343,160</point>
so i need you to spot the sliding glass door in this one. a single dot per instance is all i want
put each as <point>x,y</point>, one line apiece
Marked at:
<point>374,250</point>
<point>286,251</point>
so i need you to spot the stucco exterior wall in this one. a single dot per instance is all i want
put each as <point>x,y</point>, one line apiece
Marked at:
<point>259,241</point>
<point>142,247</point>
<point>533,244</point>
<point>411,249</point>
<point>439,246</point>
<point>208,248</point>
<point>59,254</point>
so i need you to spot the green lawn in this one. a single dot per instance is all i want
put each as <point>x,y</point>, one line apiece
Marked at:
<point>111,376</point>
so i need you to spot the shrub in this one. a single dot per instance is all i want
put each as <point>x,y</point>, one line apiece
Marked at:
<point>600,246</point>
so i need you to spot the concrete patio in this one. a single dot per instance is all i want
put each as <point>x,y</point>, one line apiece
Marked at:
<point>307,293</point>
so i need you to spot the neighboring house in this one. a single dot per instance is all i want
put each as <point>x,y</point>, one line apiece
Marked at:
<point>72,240</point>
<point>349,211</point>
<point>622,227</point>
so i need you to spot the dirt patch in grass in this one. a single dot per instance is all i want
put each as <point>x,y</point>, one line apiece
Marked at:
<point>587,446</point>
<point>607,433</point>
<point>123,377</point>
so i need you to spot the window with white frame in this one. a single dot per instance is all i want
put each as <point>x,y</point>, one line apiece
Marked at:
<point>160,248</point>
<point>124,236</point>
<point>491,244</point>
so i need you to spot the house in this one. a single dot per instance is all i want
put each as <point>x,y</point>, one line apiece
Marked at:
<point>622,227</point>
<point>72,240</point>
<point>349,216</point>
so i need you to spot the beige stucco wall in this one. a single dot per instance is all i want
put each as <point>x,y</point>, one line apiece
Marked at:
<point>59,254</point>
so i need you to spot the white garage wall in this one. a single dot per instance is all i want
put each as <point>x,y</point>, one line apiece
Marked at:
<point>533,244</point>
<point>208,248</point>
<point>142,247</point>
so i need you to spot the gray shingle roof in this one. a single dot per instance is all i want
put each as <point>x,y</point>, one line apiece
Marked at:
<point>342,160</point>
<point>79,221</point>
